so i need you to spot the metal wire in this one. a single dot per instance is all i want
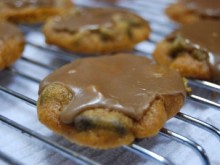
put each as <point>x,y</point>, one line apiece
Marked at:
<point>196,98</point>
<point>65,55</point>
<point>180,115</point>
<point>9,159</point>
<point>143,152</point>
<point>64,151</point>
<point>134,148</point>
<point>196,147</point>
<point>157,35</point>
<point>38,63</point>
<point>204,101</point>
<point>137,149</point>
<point>205,84</point>
<point>18,95</point>
<point>14,71</point>
<point>192,97</point>
<point>215,131</point>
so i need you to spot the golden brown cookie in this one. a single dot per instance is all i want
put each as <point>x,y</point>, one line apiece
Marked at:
<point>188,11</point>
<point>108,101</point>
<point>32,11</point>
<point>193,50</point>
<point>11,44</point>
<point>96,30</point>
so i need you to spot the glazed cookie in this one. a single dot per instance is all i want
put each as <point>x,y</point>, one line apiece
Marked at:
<point>105,102</point>
<point>96,30</point>
<point>32,11</point>
<point>11,44</point>
<point>193,50</point>
<point>188,11</point>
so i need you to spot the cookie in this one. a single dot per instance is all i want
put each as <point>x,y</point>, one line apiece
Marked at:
<point>188,11</point>
<point>96,30</point>
<point>193,50</point>
<point>11,44</point>
<point>105,102</point>
<point>32,11</point>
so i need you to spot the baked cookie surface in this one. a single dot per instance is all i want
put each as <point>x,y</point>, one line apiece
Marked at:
<point>32,11</point>
<point>11,44</point>
<point>188,11</point>
<point>96,30</point>
<point>108,101</point>
<point>193,50</point>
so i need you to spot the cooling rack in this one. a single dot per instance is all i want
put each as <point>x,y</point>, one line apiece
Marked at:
<point>191,137</point>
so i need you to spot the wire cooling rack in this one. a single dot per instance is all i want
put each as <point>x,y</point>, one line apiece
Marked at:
<point>191,137</point>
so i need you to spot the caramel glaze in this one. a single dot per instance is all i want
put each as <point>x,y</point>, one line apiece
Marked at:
<point>203,7</point>
<point>27,3</point>
<point>8,31</point>
<point>126,83</point>
<point>204,35</point>
<point>89,19</point>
